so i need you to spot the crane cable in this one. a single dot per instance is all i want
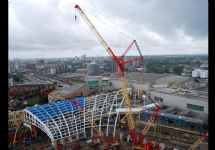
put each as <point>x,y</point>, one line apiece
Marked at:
<point>159,127</point>
<point>108,25</point>
<point>155,128</point>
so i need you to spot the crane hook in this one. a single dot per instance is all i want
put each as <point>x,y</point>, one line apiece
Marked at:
<point>75,15</point>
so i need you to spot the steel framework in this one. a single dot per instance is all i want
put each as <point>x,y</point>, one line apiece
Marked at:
<point>63,119</point>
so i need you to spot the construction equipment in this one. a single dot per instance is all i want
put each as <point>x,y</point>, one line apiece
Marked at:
<point>95,142</point>
<point>198,142</point>
<point>122,123</point>
<point>151,120</point>
<point>121,75</point>
<point>14,141</point>
<point>122,81</point>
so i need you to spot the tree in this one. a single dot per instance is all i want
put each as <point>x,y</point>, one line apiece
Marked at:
<point>55,83</point>
<point>166,69</point>
<point>178,69</point>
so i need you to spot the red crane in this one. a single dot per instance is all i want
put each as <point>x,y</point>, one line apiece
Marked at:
<point>121,75</point>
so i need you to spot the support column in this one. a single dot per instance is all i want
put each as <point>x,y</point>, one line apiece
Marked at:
<point>70,139</point>
<point>107,133</point>
<point>139,116</point>
<point>120,136</point>
<point>77,137</point>
<point>62,141</point>
<point>113,134</point>
<point>85,134</point>
<point>54,144</point>
<point>128,138</point>
<point>91,132</point>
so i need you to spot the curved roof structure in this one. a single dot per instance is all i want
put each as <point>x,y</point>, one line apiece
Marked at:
<point>63,119</point>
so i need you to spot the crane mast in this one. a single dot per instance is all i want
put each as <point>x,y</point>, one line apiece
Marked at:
<point>121,75</point>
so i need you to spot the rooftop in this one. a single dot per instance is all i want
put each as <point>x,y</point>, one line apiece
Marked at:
<point>71,89</point>
<point>193,94</point>
<point>151,77</point>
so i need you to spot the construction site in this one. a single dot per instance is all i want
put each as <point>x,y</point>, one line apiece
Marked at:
<point>123,119</point>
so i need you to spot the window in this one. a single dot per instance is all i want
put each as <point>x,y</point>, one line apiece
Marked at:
<point>158,99</point>
<point>195,107</point>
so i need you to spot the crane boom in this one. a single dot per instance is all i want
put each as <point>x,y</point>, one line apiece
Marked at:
<point>152,118</point>
<point>14,140</point>
<point>198,142</point>
<point>121,75</point>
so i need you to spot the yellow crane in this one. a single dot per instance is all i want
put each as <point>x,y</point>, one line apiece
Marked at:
<point>121,75</point>
<point>198,142</point>
<point>122,82</point>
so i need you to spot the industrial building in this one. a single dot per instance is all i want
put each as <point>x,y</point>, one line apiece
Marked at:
<point>200,73</point>
<point>98,82</point>
<point>77,90</point>
<point>149,80</point>
<point>194,100</point>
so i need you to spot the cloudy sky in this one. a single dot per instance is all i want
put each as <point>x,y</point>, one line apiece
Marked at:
<point>48,29</point>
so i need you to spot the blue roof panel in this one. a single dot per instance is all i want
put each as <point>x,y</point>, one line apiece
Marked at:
<point>47,111</point>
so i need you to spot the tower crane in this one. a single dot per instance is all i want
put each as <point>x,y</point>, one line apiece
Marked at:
<point>198,142</point>
<point>121,75</point>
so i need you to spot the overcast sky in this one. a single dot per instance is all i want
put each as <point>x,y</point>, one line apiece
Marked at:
<point>48,29</point>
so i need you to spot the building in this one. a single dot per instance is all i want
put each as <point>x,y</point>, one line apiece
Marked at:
<point>200,73</point>
<point>95,82</point>
<point>77,90</point>
<point>182,98</point>
<point>13,118</point>
<point>40,62</point>
<point>63,119</point>
<point>98,82</point>
<point>113,66</point>
<point>76,58</point>
<point>93,69</point>
<point>169,89</point>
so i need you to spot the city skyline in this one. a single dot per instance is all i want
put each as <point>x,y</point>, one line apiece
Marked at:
<point>48,29</point>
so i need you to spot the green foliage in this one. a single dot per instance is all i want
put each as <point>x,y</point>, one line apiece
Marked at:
<point>55,83</point>
<point>166,69</point>
<point>23,106</point>
<point>178,69</point>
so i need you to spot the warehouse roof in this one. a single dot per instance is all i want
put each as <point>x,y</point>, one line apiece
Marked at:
<point>172,78</point>
<point>71,89</point>
<point>150,77</point>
